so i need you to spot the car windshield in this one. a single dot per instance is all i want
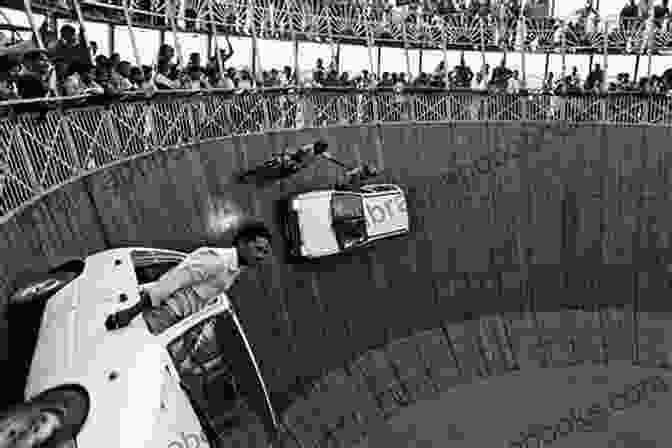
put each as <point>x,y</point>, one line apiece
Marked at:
<point>347,206</point>
<point>348,219</point>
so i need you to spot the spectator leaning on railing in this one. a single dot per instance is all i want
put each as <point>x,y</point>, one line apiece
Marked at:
<point>115,76</point>
<point>80,80</point>
<point>35,80</point>
<point>9,70</point>
<point>163,79</point>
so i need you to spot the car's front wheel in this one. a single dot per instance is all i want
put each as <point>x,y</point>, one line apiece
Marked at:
<point>51,419</point>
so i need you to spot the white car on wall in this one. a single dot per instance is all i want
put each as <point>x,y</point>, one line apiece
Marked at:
<point>88,386</point>
<point>327,222</point>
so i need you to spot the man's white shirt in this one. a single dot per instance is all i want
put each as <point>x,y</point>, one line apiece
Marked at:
<point>210,271</point>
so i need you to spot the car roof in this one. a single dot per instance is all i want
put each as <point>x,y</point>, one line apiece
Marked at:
<point>364,189</point>
<point>313,194</point>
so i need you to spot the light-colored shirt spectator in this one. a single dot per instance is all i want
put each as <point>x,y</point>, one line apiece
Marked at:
<point>245,84</point>
<point>479,82</point>
<point>514,85</point>
<point>120,82</point>
<point>74,85</point>
<point>161,81</point>
<point>225,82</point>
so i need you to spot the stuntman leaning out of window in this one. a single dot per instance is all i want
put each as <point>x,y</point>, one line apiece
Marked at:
<point>201,276</point>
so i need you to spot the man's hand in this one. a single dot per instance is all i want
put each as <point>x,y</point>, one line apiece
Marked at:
<point>123,318</point>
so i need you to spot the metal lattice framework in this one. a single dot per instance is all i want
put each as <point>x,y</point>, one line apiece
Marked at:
<point>312,21</point>
<point>64,139</point>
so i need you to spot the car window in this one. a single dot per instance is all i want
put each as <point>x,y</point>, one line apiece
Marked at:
<point>196,347</point>
<point>151,264</point>
<point>347,206</point>
<point>152,273</point>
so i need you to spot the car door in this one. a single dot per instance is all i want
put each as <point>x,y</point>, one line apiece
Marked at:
<point>214,360</point>
<point>178,421</point>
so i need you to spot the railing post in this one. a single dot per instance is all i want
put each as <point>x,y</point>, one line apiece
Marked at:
<point>340,110</point>
<point>30,169</point>
<point>113,128</point>
<point>409,102</point>
<point>373,99</point>
<point>64,123</point>
<point>562,110</point>
<point>149,127</point>
<point>267,115</point>
<point>195,110</point>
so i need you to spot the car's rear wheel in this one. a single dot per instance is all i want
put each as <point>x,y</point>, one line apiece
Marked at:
<point>51,419</point>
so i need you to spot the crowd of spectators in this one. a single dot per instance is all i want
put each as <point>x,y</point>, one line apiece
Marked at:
<point>584,26</point>
<point>68,67</point>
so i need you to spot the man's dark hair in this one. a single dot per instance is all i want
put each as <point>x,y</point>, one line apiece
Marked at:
<point>68,29</point>
<point>251,231</point>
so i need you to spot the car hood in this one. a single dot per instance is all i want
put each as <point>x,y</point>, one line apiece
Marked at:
<point>73,322</point>
<point>125,393</point>
<point>124,378</point>
<point>121,370</point>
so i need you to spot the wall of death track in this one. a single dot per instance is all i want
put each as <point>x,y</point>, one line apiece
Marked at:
<point>579,216</point>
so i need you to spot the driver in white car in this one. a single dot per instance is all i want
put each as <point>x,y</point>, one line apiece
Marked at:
<point>202,275</point>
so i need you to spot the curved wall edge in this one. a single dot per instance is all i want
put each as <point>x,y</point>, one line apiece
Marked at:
<point>505,217</point>
<point>358,401</point>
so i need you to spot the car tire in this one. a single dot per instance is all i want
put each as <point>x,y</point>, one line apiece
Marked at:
<point>41,286</point>
<point>60,412</point>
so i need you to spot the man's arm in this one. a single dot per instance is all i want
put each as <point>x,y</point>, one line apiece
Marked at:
<point>197,267</point>
<point>229,52</point>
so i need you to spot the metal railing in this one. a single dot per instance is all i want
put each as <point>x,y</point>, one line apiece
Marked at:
<point>44,143</point>
<point>328,21</point>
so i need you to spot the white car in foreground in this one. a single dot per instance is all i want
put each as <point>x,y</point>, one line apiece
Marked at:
<point>88,386</point>
<point>327,222</point>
